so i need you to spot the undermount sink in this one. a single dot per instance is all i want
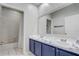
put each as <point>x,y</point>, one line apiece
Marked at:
<point>67,45</point>
<point>63,42</point>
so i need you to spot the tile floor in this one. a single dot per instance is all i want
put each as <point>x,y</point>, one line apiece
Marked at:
<point>12,50</point>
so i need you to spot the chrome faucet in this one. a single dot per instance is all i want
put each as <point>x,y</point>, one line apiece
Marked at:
<point>63,40</point>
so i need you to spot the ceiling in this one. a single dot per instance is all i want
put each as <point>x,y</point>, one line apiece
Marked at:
<point>44,8</point>
<point>48,8</point>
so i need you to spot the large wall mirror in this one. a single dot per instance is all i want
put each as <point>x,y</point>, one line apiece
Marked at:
<point>64,21</point>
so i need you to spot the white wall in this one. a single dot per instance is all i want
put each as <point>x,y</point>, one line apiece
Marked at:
<point>58,22</point>
<point>59,16</point>
<point>30,23</point>
<point>21,29</point>
<point>42,24</point>
<point>72,25</point>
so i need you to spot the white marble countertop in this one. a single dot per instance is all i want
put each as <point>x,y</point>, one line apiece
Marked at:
<point>55,41</point>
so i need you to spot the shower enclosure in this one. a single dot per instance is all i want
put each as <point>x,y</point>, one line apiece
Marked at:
<point>10,21</point>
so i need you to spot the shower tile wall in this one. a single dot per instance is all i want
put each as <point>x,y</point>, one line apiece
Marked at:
<point>9,25</point>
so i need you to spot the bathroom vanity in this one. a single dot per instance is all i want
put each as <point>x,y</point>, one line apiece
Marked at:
<point>42,48</point>
<point>61,22</point>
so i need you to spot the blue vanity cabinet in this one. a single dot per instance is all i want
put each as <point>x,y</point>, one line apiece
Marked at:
<point>48,50</point>
<point>42,49</point>
<point>37,48</point>
<point>60,52</point>
<point>31,45</point>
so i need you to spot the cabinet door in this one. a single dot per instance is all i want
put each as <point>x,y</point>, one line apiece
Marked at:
<point>31,45</point>
<point>37,48</point>
<point>47,50</point>
<point>60,52</point>
<point>57,52</point>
